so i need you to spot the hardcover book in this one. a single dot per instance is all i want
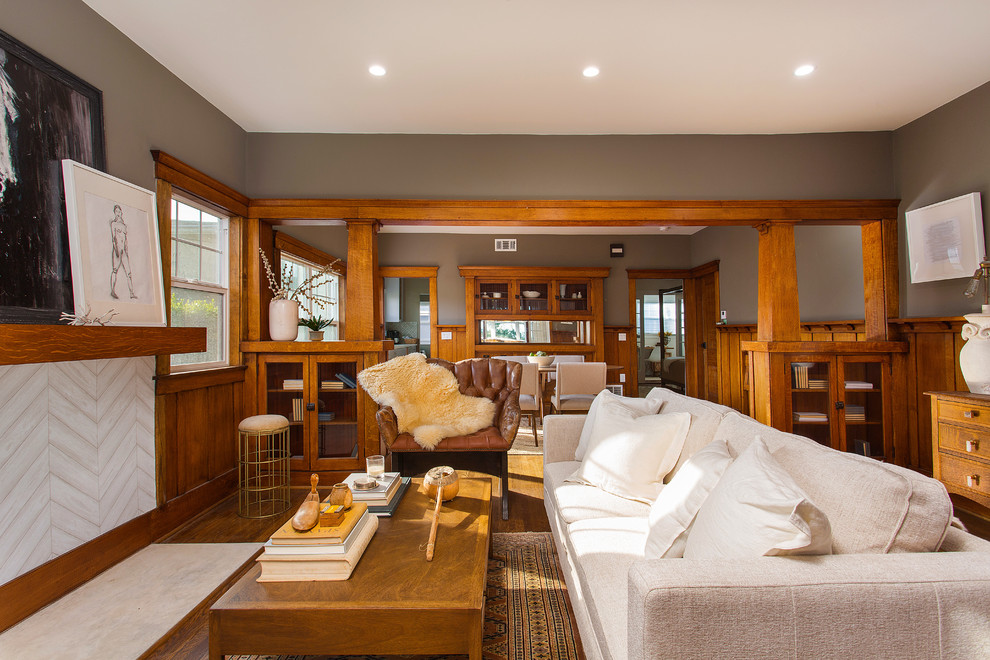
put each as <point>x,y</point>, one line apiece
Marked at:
<point>311,568</point>
<point>288,536</point>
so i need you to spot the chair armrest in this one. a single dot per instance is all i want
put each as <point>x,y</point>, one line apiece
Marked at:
<point>388,425</point>
<point>508,421</point>
<point>905,605</point>
<point>561,434</point>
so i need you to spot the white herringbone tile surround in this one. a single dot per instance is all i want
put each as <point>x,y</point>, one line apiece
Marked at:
<point>77,455</point>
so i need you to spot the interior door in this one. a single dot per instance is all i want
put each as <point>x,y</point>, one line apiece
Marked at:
<point>701,303</point>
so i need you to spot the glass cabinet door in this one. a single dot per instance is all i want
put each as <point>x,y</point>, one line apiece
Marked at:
<point>285,394</point>
<point>336,416</point>
<point>810,400</point>
<point>534,296</point>
<point>572,296</point>
<point>862,396</point>
<point>493,296</point>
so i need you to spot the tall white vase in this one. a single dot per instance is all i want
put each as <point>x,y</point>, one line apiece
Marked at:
<point>974,358</point>
<point>283,320</point>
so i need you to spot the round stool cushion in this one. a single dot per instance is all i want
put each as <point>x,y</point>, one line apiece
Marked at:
<point>263,423</point>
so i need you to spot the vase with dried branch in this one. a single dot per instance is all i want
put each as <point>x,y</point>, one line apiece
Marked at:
<point>283,310</point>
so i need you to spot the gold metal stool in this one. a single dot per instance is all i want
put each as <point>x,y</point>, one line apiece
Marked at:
<point>263,466</point>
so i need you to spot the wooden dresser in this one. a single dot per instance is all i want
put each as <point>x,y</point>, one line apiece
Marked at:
<point>961,443</point>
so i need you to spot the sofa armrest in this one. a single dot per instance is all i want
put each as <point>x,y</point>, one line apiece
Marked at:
<point>560,437</point>
<point>388,425</point>
<point>909,605</point>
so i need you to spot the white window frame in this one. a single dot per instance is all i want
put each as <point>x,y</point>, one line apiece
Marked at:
<point>222,289</point>
<point>337,306</point>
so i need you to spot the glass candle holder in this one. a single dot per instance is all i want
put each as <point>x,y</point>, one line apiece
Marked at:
<point>376,466</point>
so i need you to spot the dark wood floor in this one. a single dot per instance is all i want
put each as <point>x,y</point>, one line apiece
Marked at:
<point>221,524</point>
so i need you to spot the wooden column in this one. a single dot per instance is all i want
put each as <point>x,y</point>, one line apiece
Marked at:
<point>258,235</point>
<point>880,277</point>
<point>778,316</point>
<point>363,318</point>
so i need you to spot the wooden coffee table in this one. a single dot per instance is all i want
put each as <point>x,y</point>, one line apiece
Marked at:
<point>395,601</point>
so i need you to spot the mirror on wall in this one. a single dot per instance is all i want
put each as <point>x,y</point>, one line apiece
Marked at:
<point>406,302</point>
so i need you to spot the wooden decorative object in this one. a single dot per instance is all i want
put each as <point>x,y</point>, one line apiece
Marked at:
<point>341,495</point>
<point>441,483</point>
<point>331,515</point>
<point>308,514</point>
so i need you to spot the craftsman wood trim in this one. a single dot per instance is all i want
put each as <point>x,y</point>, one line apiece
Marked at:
<point>194,380</point>
<point>195,182</point>
<point>25,344</point>
<point>578,213</point>
<point>830,347</point>
<point>306,347</point>
<point>547,272</point>
<point>292,245</point>
<point>425,272</point>
<point>25,595</point>
<point>408,271</point>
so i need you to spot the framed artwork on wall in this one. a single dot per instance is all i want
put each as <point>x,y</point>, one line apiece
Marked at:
<point>46,114</point>
<point>114,248</point>
<point>945,240</point>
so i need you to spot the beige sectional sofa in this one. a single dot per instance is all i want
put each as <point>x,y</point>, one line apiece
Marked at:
<point>902,581</point>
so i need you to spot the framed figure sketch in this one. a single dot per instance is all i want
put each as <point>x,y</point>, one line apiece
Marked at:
<point>46,114</point>
<point>114,248</point>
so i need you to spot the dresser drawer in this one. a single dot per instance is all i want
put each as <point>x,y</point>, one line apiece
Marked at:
<point>969,441</point>
<point>950,411</point>
<point>961,473</point>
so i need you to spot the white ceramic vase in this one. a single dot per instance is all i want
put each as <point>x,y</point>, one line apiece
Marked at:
<point>283,320</point>
<point>974,358</point>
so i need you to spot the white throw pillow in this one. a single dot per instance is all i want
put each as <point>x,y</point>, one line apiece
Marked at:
<point>757,510</point>
<point>680,500</point>
<point>645,406</point>
<point>629,454</point>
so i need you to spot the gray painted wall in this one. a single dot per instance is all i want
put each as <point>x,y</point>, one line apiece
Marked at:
<point>145,107</point>
<point>823,166</point>
<point>942,155</point>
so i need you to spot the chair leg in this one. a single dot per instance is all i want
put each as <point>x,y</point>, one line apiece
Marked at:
<point>504,477</point>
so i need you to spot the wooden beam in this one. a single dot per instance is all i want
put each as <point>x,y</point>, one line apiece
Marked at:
<point>778,317</point>
<point>874,282</point>
<point>363,314</point>
<point>192,181</point>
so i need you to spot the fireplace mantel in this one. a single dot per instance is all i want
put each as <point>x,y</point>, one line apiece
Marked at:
<point>27,344</point>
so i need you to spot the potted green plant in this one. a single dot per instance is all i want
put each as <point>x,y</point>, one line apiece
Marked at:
<point>315,325</point>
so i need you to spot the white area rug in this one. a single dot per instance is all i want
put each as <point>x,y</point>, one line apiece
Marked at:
<point>525,444</point>
<point>123,611</point>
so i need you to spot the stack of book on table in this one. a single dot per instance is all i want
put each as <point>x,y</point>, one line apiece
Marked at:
<point>322,553</point>
<point>383,499</point>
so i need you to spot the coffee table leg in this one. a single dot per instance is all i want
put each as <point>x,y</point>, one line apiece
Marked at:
<point>476,634</point>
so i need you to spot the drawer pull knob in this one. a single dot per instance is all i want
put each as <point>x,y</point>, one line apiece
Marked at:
<point>972,445</point>
<point>970,414</point>
<point>973,480</point>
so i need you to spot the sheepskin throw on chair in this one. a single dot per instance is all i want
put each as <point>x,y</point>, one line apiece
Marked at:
<point>426,399</point>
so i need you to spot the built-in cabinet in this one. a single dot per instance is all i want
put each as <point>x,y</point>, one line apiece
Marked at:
<point>522,310</point>
<point>836,393</point>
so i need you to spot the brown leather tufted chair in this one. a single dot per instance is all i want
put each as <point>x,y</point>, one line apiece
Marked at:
<point>499,381</point>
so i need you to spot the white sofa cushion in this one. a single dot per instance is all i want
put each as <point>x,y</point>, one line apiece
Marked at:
<point>603,550</point>
<point>630,453</point>
<point>646,406</point>
<point>705,418</point>
<point>871,506</point>
<point>574,502</point>
<point>678,503</point>
<point>756,510</point>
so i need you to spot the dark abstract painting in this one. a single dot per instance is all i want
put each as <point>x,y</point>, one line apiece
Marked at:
<point>46,114</point>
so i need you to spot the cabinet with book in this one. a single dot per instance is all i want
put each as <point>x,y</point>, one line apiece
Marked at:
<point>318,395</point>
<point>842,401</point>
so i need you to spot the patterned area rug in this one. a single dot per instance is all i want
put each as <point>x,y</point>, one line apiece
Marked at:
<point>524,442</point>
<point>527,613</point>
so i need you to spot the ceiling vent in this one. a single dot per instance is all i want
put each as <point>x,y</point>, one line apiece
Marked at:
<point>505,245</point>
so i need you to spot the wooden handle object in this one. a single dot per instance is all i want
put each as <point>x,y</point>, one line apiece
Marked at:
<point>309,512</point>
<point>433,529</point>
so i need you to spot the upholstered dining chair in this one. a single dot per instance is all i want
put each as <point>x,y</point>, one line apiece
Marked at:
<point>578,383</point>
<point>529,395</point>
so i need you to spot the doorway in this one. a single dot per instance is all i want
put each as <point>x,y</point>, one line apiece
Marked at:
<point>409,308</point>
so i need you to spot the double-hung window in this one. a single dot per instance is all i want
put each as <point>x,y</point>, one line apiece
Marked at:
<point>327,291</point>
<point>199,281</point>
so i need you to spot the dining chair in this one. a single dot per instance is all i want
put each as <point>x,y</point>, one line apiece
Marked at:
<point>578,383</point>
<point>529,396</point>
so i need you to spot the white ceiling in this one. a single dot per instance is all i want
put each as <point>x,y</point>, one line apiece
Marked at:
<point>514,66</point>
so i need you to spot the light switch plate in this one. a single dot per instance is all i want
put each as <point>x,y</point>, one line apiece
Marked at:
<point>446,335</point>
<point>622,336</point>
<point>622,378</point>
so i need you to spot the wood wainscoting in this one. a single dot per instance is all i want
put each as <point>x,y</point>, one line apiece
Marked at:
<point>456,347</point>
<point>620,349</point>
<point>930,364</point>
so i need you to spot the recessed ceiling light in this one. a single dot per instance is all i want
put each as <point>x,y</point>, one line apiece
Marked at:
<point>376,70</point>
<point>590,71</point>
<point>804,69</point>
